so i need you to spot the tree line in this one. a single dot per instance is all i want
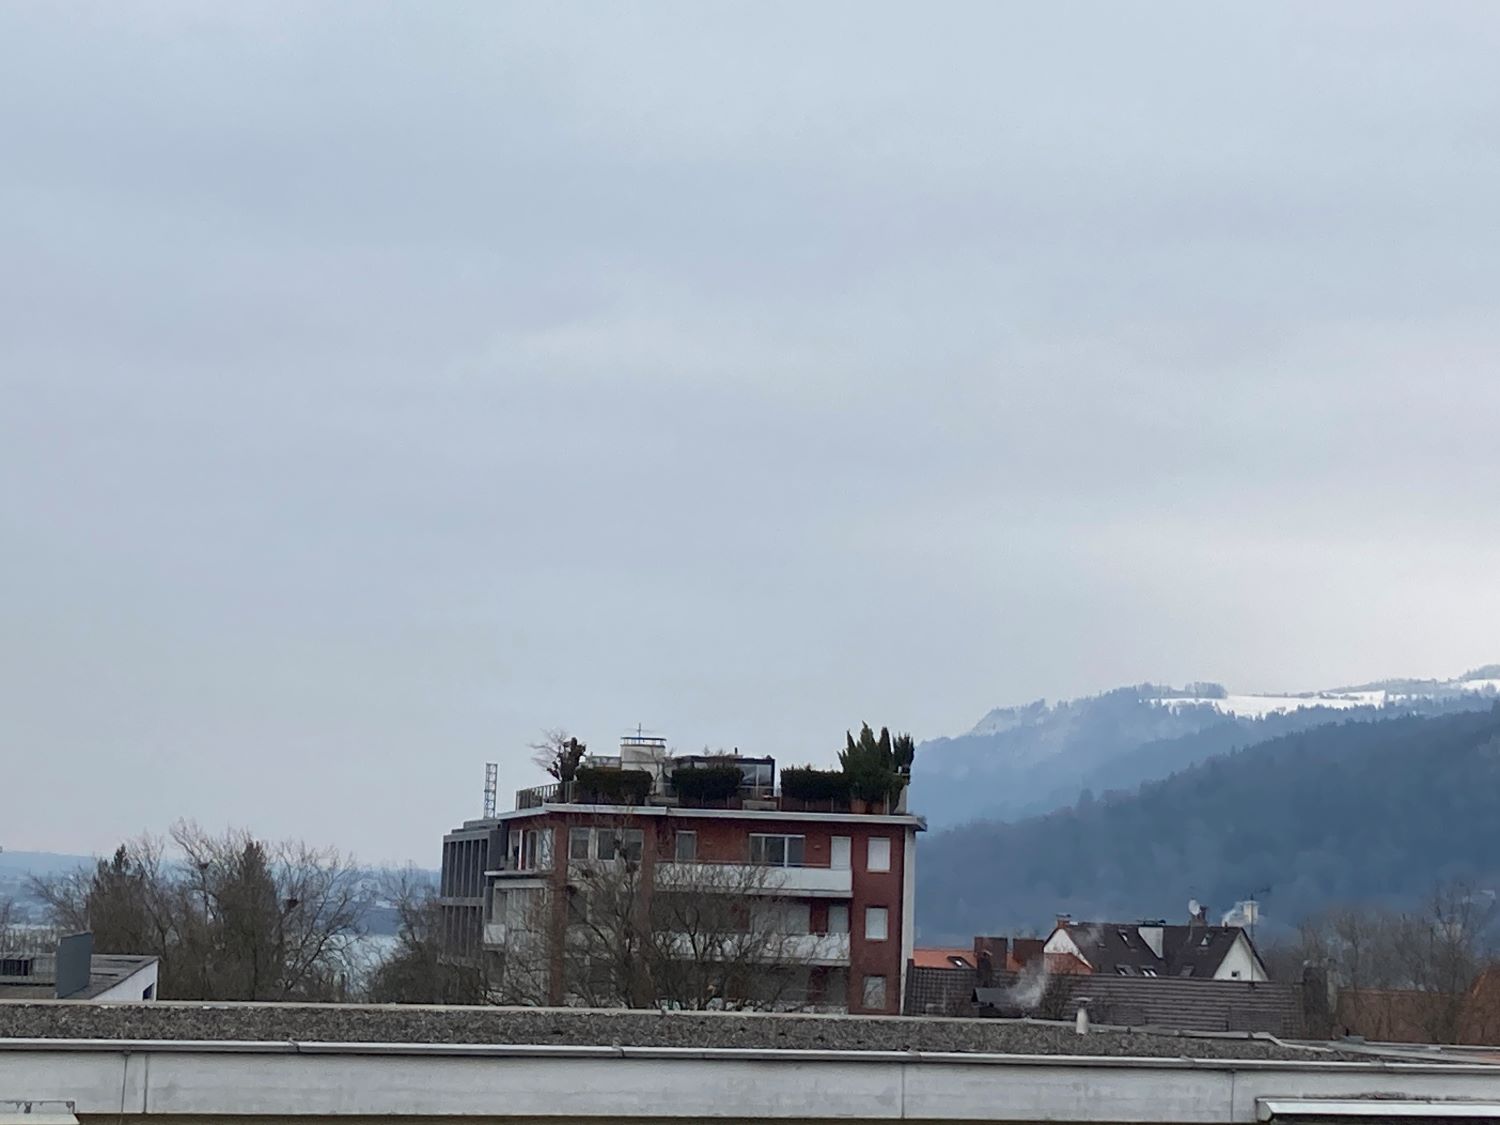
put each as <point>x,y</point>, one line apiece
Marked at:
<point>230,916</point>
<point>1428,973</point>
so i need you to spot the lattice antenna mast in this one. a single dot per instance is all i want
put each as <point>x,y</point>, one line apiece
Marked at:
<point>491,783</point>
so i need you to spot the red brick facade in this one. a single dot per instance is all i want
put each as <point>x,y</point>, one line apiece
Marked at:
<point>875,965</point>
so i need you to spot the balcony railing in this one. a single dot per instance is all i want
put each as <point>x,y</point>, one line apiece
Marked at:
<point>755,879</point>
<point>539,795</point>
<point>806,949</point>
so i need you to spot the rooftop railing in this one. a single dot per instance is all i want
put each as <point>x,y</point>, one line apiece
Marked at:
<point>749,796</point>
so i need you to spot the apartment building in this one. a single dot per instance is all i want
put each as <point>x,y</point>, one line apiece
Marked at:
<point>818,890</point>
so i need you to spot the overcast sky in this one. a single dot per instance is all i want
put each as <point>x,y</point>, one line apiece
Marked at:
<point>382,385</point>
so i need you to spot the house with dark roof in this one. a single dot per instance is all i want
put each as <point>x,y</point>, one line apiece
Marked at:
<point>1197,951</point>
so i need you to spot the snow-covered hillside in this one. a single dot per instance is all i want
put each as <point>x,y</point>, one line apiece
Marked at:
<point>1394,694</point>
<point>1033,758</point>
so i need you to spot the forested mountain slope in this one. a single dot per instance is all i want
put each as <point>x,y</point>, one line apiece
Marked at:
<point>1350,810</point>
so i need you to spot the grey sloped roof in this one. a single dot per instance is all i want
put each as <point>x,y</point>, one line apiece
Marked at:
<point>108,969</point>
<point>1168,1002</point>
<point>1120,948</point>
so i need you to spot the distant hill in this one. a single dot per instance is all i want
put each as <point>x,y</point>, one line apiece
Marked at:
<point>1020,761</point>
<point>1354,810</point>
<point>17,870</point>
<point>40,863</point>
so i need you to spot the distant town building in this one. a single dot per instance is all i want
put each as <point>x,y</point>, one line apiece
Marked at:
<point>834,875</point>
<point>1197,977</point>
<point>1198,950</point>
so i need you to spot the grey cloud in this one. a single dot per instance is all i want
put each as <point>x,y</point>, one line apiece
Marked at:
<point>383,385</point>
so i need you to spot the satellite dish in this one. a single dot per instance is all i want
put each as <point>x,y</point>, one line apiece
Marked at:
<point>1193,908</point>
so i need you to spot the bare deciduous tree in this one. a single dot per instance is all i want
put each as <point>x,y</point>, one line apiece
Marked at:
<point>558,754</point>
<point>17,935</point>
<point>632,933</point>
<point>1406,974</point>
<point>419,970</point>
<point>234,919</point>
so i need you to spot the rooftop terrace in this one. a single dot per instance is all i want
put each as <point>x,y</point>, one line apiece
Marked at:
<point>643,774</point>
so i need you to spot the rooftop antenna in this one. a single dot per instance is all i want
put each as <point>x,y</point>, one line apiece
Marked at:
<point>491,780</point>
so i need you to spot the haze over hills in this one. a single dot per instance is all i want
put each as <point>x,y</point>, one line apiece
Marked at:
<point>1021,761</point>
<point>1374,809</point>
<point>1081,761</point>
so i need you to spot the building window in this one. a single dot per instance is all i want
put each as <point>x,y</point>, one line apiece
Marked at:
<point>578,843</point>
<point>687,847</point>
<point>877,923</point>
<point>776,918</point>
<point>619,843</point>
<point>606,844</point>
<point>632,844</point>
<point>878,854</point>
<point>777,851</point>
<point>875,992</point>
<point>531,850</point>
<point>838,918</point>
<point>757,776</point>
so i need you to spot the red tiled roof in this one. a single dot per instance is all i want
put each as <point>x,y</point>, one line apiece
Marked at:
<point>942,958</point>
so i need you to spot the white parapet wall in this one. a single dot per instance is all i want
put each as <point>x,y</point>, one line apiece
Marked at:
<point>188,1082</point>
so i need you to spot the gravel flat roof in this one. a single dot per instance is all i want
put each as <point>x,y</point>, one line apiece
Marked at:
<point>353,1023</point>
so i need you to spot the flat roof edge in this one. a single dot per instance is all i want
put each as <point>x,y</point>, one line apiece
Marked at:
<point>789,1056</point>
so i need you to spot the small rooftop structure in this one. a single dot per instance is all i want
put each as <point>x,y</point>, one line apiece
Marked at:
<point>76,972</point>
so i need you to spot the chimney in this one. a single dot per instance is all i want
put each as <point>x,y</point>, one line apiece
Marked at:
<point>1023,951</point>
<point>988,953</point>
<point>1064,921</point>
<point>1081,1019</point>
<point>996,947</point>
